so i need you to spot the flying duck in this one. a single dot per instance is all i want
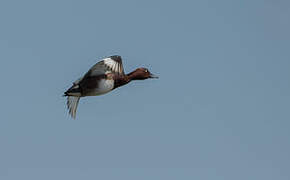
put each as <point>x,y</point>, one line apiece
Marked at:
<point>103,77</point>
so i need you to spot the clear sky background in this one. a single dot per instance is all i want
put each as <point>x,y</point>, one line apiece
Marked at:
<point>220,109</point>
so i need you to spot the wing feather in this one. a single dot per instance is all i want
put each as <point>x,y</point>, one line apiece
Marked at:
<point>112,64</point>
<point>72,105</point>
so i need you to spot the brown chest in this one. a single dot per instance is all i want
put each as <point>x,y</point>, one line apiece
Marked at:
<point>120,80</point>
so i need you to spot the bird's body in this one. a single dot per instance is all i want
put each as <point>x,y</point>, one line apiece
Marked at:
<point>102,78</point>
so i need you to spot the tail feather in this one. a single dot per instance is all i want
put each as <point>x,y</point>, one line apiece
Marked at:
<point>75,90</point>
<point>72,105</point>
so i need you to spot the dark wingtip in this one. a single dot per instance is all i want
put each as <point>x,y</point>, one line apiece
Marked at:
<point>116,57</point>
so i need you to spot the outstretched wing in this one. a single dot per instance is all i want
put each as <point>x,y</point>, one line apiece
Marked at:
<point>72,105</point>
<point>112,64</point>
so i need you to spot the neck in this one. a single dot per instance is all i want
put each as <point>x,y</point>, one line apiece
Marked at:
<point>133,75</point>
<point>122,80</point>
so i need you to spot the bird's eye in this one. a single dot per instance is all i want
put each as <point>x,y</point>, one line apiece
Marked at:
<point>146,70</point>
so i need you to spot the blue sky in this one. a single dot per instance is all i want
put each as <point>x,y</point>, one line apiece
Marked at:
<point>220,109</point>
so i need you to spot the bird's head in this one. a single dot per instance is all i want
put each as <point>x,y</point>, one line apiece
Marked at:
<point>141,74</point>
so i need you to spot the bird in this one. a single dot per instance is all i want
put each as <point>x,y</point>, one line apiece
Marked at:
<point>103,77</point>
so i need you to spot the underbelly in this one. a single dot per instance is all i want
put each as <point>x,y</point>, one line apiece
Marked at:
<point>104,86</point>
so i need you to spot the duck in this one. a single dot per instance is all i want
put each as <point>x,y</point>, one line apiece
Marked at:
<point>103,77</point>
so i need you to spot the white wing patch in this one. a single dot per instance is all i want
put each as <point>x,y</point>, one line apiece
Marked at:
<point>115,66</point>
<point>107,65</point>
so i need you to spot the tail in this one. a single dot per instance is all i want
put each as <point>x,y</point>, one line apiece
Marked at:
<point>75,90</point>
<point>72,105</point>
